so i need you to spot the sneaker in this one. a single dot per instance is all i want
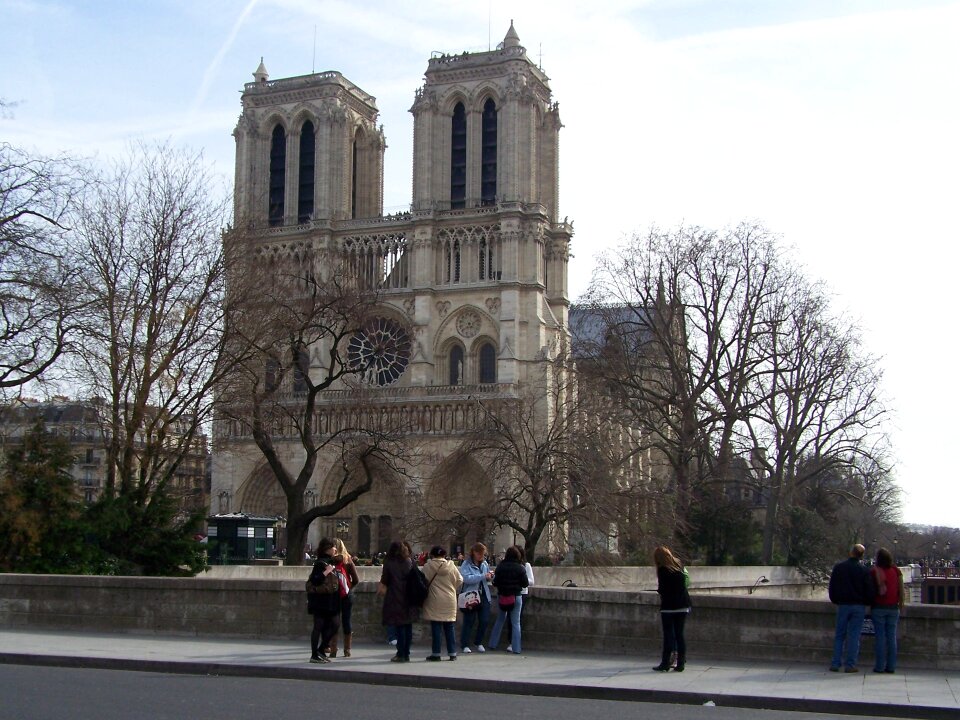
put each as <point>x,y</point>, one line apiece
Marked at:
<point>453,657</point>
<point>315,659</point>
<point>433,658</point>
<point>834,669</point>
<point>481,648</point>
<point>466,650</point>
<point>851,670</point>
<point>396,658</point>
<point>391,642</point>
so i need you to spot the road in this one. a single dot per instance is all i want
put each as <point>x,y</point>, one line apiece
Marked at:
<point>51,693</point>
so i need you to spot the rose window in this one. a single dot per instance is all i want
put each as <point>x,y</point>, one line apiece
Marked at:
<point>380,352</point>
<point>468,324</point>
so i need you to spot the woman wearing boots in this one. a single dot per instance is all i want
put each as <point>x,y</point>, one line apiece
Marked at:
<point>674,607</point>
<point>349,579</point>
<point>323,600</point>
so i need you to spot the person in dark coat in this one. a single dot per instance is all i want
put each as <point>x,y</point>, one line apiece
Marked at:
<point>674,607</point>
<point>323,600</point>
<point>396,609</point>
<point>510,578</point>
<point>851,590</point>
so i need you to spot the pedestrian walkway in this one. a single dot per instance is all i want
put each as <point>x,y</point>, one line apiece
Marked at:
<point>811,688</point>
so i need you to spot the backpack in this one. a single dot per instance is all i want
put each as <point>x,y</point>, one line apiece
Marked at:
<point>417,587</point>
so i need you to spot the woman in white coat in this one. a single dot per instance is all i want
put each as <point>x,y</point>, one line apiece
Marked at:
<point>440,607</point>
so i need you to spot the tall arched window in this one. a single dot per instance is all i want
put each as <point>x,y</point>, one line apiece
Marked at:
<point>456,365</point>
<point>278,172</point>
<point>488,154</point>
<point>353,184</point>
<point>305,195</point>
<point>301,371</point>
<point>488,363</point>
<point>458,157</point>
<point>271,379</point>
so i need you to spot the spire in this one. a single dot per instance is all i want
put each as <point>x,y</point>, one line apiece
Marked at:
<point>261,75</point>
<point>511,39</point>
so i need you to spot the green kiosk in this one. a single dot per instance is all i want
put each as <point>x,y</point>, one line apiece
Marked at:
<point>239,538</point>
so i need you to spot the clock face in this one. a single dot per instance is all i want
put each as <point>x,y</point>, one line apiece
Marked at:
<point>380,352</point>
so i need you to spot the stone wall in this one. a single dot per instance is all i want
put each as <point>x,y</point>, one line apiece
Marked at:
<point>557,618</point>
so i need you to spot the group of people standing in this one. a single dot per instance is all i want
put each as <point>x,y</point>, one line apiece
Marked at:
<point>450,589</point>
<point>853,587</point>
<point>467,589</point>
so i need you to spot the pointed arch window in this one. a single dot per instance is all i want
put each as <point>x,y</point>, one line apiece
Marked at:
<point>488,154</point>
<point>307,154</point>
<point>488,363</point>
<point>451,259</point>
<point>456,365</point>
<point>458,157</point>
<point>301,371</point>
<point>271,380</point>
<point>486,260</point>
<point>278,173</point>
<point>353,184</point>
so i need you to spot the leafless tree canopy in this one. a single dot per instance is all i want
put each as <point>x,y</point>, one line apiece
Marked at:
<point>148,235</point>
<point>722,351</point>
<point>39,298</point>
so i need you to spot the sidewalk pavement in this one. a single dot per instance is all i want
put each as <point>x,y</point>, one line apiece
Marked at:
<point>776,686</point>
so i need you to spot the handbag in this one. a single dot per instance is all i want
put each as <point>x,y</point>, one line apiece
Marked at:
<point>469,600</point>
<point>507,602</point>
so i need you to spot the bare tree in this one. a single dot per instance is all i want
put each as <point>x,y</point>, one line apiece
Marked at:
<point>148,234</point>
<point>306,367</point>
<point>818,407</point>
<point>724,353</point>
<point>681,316</point>
<point>561,468</point>
<point>39,299</point>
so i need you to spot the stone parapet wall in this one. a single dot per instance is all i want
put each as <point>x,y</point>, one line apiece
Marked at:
<point>556,618</point>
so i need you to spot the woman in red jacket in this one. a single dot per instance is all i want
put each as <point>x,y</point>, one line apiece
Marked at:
<point>887,604</point>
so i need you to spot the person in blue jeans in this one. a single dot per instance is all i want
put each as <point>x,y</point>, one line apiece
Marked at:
<point>510,579</point>
<point>887,604</point>
<point>475,573</point>
<point>851,590</point>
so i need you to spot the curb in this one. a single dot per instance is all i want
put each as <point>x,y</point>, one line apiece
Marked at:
<point>466,684</point>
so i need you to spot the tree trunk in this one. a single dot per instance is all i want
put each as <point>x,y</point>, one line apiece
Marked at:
<point>296,540</point>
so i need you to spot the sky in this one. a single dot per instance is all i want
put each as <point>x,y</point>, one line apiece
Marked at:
<point>834,123</point>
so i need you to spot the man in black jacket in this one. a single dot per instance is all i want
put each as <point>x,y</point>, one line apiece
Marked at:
<point>850,590</point>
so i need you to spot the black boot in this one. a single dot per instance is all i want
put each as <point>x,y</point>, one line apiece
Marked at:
<point>664,665</point>
<point>681,662</point>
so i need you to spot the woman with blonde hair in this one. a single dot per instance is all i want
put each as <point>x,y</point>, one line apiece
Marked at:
<point>349,579</point>
<point>674,606</point>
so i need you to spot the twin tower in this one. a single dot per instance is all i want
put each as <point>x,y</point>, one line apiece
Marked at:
<point>473,278</point>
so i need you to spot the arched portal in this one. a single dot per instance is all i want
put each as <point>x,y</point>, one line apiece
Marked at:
<point>459,505</point>
<point>371,522</point>
<point>261,494</point>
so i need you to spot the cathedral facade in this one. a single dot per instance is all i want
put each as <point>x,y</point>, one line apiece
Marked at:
<point>472,279</point>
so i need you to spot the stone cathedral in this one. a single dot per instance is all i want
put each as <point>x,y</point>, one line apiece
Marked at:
<point>473,278</point>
